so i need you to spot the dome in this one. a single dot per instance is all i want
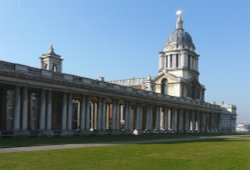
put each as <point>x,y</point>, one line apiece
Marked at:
<point>179,38</point>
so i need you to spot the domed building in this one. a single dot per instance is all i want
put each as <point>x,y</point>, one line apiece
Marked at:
<point>178,68</point>
<point>45,101</point>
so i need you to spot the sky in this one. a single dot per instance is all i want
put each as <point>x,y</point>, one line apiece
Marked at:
<point>119,39</point>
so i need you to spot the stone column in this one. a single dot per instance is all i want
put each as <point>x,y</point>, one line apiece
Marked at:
<point>210,122</point>
<point>49,110</point>
<point>17,110</point>
<point>127,116</point>
<point>118,116</point>
<point>149,118</point>
<point>25,109</point>
<point>180,122</point>
<point>207,122</point>
<point>43,110</point>
<point>203,125</point>
<point>139,117</point>
<point>104,114</point>
<point>174,119</point>
<point>193,121</point>
<point>70,112</point>
<point>99,114</point>
<point>187,121</point>
<point>64,112</point>
<point>3,104</point>
<point>114,116</point>
<point>182,60</point>
<point>169,61</point>
<point>164,62</point>
<point>166,118</point>
<point>157,121</point>
<point>196,121</point>
<point>219,122</point>
<point>87,113</point>
<point>161,62</point>
<point>83,113</point>
<point>162,113</point>
<point>214,123</point>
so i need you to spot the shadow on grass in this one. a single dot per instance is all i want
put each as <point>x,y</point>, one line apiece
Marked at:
<point>119,139</point>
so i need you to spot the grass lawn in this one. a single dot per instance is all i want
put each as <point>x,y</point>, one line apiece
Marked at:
<point>222,154</point>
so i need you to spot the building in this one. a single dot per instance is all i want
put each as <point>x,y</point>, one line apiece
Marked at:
<point>48,102</point>
<point>178,68</point>
<point>228,118</point>
<point>179,75</point>
<point>242,128</point>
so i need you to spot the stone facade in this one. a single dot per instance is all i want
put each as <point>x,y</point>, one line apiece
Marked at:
<point>228,118</point>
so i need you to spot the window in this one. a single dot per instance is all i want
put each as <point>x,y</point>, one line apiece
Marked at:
<point>177,60</point>
<point>189,61</point>
<point>54,68</point>
<point>170,60</point>
<point>164,86</point>
<point>45,66</point>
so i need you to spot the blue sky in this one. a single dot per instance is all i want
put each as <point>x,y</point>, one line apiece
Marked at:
<point>121,39</point>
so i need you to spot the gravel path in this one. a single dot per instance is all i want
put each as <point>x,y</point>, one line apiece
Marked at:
<point>68,146</point>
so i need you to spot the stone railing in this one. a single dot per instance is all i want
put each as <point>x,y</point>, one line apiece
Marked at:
<point>50,75</point>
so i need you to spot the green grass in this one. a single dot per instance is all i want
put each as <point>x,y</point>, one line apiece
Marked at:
<point>224,154</point>
<point>31,141</point>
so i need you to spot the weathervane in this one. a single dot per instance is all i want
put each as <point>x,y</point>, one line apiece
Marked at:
<point>178,13</point>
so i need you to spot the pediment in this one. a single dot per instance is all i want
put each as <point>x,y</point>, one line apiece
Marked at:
<point>171,78</point>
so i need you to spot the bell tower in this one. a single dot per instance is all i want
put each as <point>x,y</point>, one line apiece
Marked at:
<point>51,61</point>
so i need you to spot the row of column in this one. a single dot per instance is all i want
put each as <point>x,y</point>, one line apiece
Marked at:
<point>110,116</point>
<point>20,125</point>
<point>178,60</point>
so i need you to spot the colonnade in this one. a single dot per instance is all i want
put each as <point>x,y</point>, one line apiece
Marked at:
<point>30,111</point>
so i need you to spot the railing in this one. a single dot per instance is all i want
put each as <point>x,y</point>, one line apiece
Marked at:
<point>6,65</point>
<point>45,74</point>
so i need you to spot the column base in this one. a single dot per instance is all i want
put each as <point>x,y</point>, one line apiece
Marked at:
<point>115,132</point>
<point>101,132</point>
<point>84,132</point>
<point>21,133</point>
<point>67,133</point>
<point>180,131</point>
<point>46,133</point>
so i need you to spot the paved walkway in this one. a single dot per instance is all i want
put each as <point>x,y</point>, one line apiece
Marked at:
<point>68,146</point>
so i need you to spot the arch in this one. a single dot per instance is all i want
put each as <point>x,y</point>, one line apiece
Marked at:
<point>164,86</point>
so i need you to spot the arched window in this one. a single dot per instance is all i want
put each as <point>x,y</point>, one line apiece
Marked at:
<point>54,68</point>
<point>164,86</point>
